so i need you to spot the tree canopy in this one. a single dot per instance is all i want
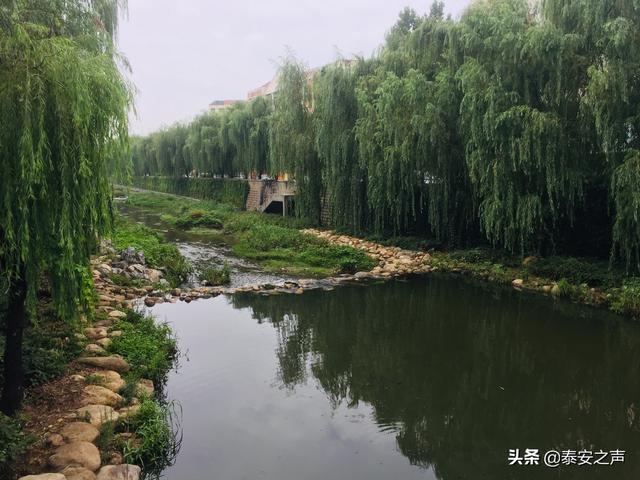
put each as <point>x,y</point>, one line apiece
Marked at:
<point>516,124</point>
<point>63,114</point>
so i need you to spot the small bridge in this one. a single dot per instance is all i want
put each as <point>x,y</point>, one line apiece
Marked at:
<point>270,196</point>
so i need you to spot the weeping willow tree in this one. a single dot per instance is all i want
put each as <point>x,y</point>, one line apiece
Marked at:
<point>292,138</point>
<point>518,114</point>
<point>613,98</point>
<point>63,110</point>
<point>408,135</point>
<point>335,116</point>
<point>516,125</point>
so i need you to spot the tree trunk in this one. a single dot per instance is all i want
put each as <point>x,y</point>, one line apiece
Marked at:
<point>15,322</point>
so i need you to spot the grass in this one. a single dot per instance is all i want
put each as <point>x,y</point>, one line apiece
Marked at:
<point>158,253</point>
<point>150,348</point>
<point>216,276</point>
<point>271,240</point>
<point>157,438</point>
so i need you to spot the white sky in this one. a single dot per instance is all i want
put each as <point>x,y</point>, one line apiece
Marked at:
<point>184,54</point>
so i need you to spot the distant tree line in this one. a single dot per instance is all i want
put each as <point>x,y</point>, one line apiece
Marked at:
<point>518,125</point>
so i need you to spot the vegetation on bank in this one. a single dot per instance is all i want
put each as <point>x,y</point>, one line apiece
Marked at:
<point>149,347</point>
<point>218,190</point>
<point>158,253</point>
<point>515,125</point>
<point>584,280</point>
<point>273,241</point>
<point>63,120</point>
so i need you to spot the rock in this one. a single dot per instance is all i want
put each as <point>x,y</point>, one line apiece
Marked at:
<point>77,378</point>
<point>97,414</point>
<point>111,380</point>
<point>103,342</point>
<point>77,454</point>
<point>362,275</point>
<point>149,302</point>
<point>116,333</point>
<point>176,292</point>
<point>128,411</point>
<point>153,275</point>
<point>44,476</point>
<point>114,362</point>
<point>299,291</point>
<point>54,440</point>
<point>119,472</point>
<point>131,255</point>
<point>97,395</point>
<point>94,349</point>
<point>95,333</point>
<point>145,387</point>
<point>117,314</point>
<point>517,283</point>
<point>79,432</point>
<point>116,459</point>
<point>78,473</point>
<point>529,260</point>
<point>555,290</point>
<point>547,288</point>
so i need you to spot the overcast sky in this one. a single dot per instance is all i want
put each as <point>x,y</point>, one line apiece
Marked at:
<point>184,54</point>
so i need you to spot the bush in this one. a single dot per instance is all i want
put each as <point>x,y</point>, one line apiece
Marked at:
<point>216,276</point>
<point>158,254</point>
<point>575,270</point>
<point>565,289</point>
<point>12,443</point>
<point>626,300</point>
<point>198,218</point>
<point>150,348</point>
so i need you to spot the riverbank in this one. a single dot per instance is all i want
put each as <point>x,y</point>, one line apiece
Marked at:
<point>104,416</point>
<point>586,281</point>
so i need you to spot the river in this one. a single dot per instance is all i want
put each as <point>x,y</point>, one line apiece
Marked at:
<point>427,378</point>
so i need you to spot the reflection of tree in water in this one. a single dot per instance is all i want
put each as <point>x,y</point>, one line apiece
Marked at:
<point>466,377</point>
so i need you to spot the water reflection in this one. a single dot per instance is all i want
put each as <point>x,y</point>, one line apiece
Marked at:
<point>464,373</point>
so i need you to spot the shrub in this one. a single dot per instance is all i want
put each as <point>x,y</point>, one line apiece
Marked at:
<point>12,443</point>
<point>198,218</point>
<point>575,270</point>
<point>565,289</point>
<point>626,300</point>
<point>216,276</point>
<point>158,254</point>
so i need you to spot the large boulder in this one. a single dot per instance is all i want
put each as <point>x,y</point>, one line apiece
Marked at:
<point>78,473</point>
<point>97,414</point>
<point>97,395</point>
<point>131,255</point>
<point>79,432</point>
<point>119,472</point>
<point>113,362</point>
<point>110,379</point>
<point>77,454</point>
<point>44,476</point>
<point>95,333</point>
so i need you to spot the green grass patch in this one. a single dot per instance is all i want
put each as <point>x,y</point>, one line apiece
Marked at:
<point>158,253</point>
<point>216,276</point>
<point>156,437</point>
<point>272,240</point>
<point>149,347</point>
<point>198,218</point>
